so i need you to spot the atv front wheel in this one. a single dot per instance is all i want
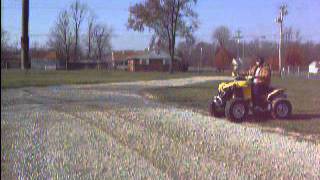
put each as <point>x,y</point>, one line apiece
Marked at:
<point>281,109</point>
<point>214,111</point>
<point>236,110</point>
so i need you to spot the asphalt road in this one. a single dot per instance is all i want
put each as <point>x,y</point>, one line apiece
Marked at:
<point>109,131</point>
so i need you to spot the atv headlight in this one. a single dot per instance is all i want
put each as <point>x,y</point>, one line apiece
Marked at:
<point>218,101</point>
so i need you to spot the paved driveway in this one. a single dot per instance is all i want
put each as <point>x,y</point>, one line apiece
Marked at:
<point>110,131</point>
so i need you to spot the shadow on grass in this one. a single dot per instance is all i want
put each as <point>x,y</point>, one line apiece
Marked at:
<point>298,124</point>
<point>294,117</point>
<point>304,116</point>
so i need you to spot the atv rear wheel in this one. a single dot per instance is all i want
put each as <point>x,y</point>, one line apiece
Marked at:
<point>214,111</point>
<point>281,109</point>
<point>236,110</point>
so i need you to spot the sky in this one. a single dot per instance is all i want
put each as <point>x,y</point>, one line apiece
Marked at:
<point>253,18</point>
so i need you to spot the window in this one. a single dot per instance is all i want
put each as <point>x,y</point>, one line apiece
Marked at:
<point>164,62</point>
<point>144,61</point>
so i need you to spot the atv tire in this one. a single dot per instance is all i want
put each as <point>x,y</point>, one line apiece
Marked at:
<point>281,109</point>
<point>213,110</point>
<point>236,110</point>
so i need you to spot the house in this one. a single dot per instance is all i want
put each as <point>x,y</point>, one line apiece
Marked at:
<point>79,64</point>
<point>44,60</point>
<point>40,59</point>
<point>314,67</point>
<point>154,60</point>
<point>87,64</point>
<point>11,60</point>
<point>119,59</point>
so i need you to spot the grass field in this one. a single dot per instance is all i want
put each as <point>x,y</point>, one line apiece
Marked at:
<point>17,78</point>
<point>304,95</point>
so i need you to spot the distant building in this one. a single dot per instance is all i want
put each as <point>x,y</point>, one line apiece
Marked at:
<point>119,59</point>
<point>154,61</point>
<point>11,60</point>
<point>44,60</point>
<point>92,63</point>
<point>314,67</point>
<point>87,64</point>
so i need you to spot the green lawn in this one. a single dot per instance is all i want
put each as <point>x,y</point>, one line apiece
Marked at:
<point>304,95</point>
<point>17,78</point>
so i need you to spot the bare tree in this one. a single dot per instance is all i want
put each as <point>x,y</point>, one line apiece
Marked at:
<point>4,42</point>
<point>78,12</point>
<point>167,18</point>
<point>4,38</point>
<point>61,37</point>
<point>222,35</point>
<point>102,37</point>
<point>152,43</point>
<point>223,56</point>
<point>291,36</point>
<point>91,23</point>
<point>4,47</point>
<point>186,51</point>
<point>293,50</point>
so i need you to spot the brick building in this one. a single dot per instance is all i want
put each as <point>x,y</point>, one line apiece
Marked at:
<point>119,59</point>
<point>154,61</point>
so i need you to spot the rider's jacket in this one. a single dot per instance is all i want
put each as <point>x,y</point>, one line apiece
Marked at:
<point>263,77</point>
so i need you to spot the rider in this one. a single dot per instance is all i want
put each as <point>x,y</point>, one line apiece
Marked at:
<point>261,74</point>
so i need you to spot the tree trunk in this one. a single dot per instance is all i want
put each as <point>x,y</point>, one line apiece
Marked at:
<point>76,44</point>
<point>171,57</point>
<point>89,48</point>
<point>66,62</point>
<point>171,61</point>
<point>66,56</point>
<point>171,65</point>
<point>89,42</point>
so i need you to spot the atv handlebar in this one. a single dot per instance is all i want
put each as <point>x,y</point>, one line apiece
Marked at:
<point>248,78</point>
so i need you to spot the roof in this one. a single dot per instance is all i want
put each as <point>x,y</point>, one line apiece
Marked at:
<point>41,54</point>
<point>124,55</point>
<point>88,61</point>
<point>156,55</point>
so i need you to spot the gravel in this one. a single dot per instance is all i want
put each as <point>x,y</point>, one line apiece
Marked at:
<point>110,131</point>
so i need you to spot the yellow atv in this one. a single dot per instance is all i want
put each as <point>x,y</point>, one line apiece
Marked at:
<point>234,100</point>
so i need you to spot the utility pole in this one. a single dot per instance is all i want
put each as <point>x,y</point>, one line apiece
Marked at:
<point>259,42</point>
<point>242,50</point>
<point>25,63</point>
<point>238,37</point>
<point>199,60</point>
<point>283,12</point>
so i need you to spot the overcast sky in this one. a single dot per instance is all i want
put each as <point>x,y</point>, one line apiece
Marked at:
<point>253,18</point>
